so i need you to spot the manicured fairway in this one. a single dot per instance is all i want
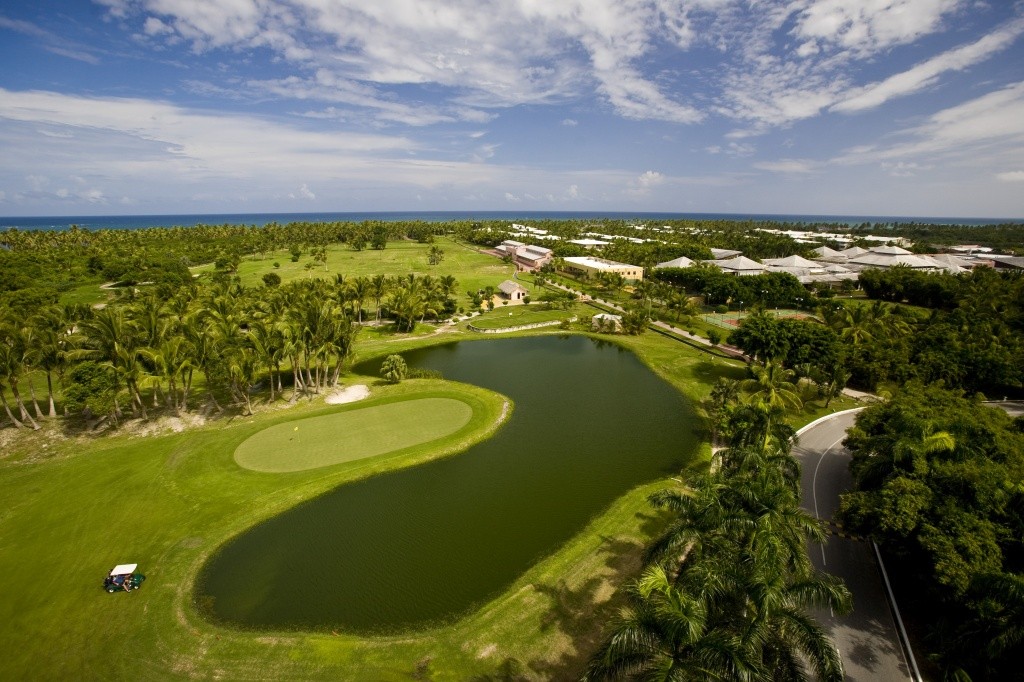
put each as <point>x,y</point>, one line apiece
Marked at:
<point>516,316</point>
<point>347,436</point>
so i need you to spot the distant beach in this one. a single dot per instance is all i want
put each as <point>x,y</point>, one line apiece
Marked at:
<point>134,222</point>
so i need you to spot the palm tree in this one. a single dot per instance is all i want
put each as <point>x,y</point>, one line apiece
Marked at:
<point>379,286</point>
<point>15,356</point>
<point>358,291</point>
<point>267,340</point>
<point>908,452</point>
<point>8,367</point>
<point>53,335</point>
<point>407,304</point>
<point>771,387</point>
<point>668,634</point>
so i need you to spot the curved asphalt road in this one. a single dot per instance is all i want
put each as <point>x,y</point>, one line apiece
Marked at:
<point>867,637</point>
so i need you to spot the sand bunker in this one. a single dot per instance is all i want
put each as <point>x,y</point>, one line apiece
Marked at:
<point>349,394</point>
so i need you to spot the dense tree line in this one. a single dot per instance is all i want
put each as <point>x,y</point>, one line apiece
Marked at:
<point>771,289</point>
<point>938,483</point>
<point>973,342</point>
<point>159,350</point>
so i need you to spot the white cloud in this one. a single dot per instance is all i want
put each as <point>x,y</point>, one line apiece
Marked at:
<point>984,131</point>
<point>571,122</point>
<point>512,198</point>
<point>650,179</point>
<point>155,27</point>
<point>198,135</point>
<point>304,192</point>
<point>868,26</point>
<point>927,73</point>
<point>495,55</point>
<point>798,166</point>
<point>1011,176</point>
<point>903,169</point>
<point>50,41</point>
<point>736,149</point>
<point>485,151</point>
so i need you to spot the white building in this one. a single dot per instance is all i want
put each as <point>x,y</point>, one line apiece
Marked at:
<point>589,265</point>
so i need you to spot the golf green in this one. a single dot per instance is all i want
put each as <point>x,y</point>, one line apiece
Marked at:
<point>351,435</point>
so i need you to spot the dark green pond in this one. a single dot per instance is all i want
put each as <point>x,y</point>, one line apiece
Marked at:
<point>431,542</point>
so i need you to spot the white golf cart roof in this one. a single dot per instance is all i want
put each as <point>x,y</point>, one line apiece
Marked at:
<point>124,569</point>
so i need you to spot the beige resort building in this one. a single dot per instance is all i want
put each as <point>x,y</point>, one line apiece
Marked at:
<point>590,266</point>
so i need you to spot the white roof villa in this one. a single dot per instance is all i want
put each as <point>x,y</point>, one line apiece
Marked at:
<point>885,257</point>
<point>526,254</point>
<point>681,262</point>
<point>589,243</point>
<point>528,229</point>
<point>825,253</point>
<point>722,254</point>
<point>740,265</point>
<point>606,320</point>
<point>590,265</point>
<point>791,262</point>
<point>509,246</point>
<point>853,252</point>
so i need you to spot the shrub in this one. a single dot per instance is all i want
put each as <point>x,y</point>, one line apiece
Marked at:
<point>394,368</point>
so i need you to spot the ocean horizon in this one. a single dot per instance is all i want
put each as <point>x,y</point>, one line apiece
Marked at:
<point>132,222</point>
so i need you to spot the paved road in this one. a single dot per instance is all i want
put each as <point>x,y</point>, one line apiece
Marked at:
<point>866,637</point>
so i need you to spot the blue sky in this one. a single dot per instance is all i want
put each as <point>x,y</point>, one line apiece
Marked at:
<point>873,107</point>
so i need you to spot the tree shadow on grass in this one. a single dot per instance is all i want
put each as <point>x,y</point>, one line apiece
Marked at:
<point>581,613</point>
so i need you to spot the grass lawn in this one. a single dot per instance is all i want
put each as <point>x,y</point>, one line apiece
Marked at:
<point>316,442</point>
<point>504,317</point>
<point>72,509</point>
<point>89,294</point>
<point>472,269</point>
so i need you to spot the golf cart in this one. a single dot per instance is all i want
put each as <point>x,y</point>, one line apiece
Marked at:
<point>123,578</point>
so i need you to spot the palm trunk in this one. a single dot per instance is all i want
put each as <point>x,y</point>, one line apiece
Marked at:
<point>296,380</point>
<point>35,403</point>
<point>49,392</point>
<point>10,415</point>
<point>21,408</point>
<point>213,399</point>
<point>186,385</point>
<point>137,399</point>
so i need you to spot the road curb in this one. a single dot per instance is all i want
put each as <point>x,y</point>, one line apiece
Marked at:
<point>819,420</point>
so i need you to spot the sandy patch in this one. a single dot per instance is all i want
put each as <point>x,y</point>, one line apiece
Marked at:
<point>349,394</point>
<point>163,425</point>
